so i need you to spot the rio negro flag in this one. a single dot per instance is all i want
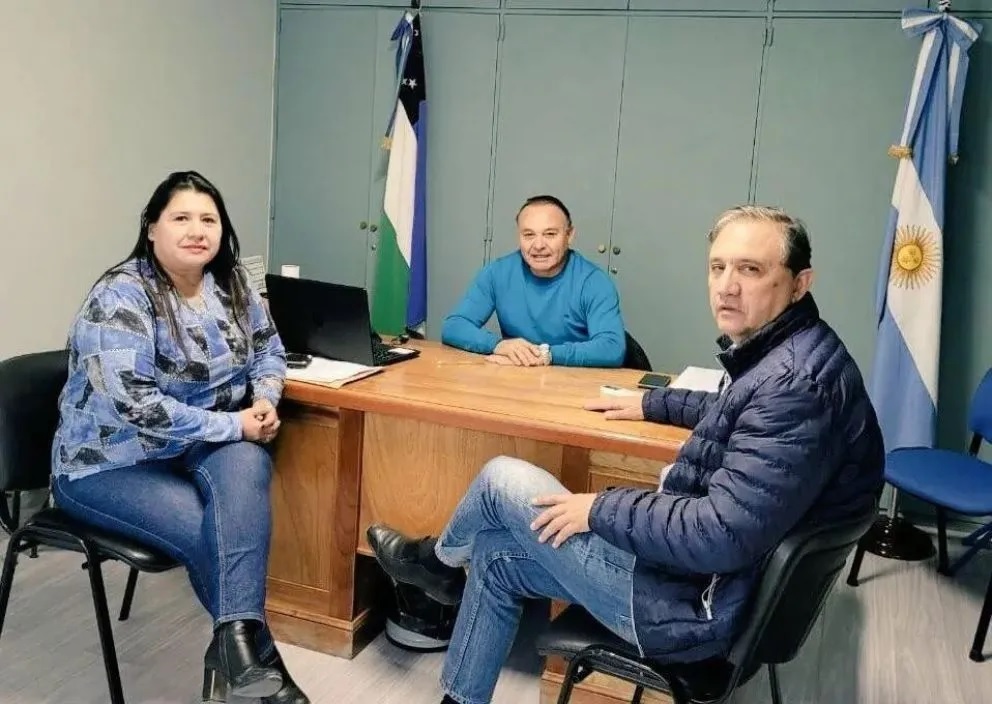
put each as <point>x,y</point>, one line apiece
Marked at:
<point>904,374</point>
<point>400,298</point>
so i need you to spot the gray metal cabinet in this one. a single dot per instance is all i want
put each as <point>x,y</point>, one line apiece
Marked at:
<point>335,94</point>
<point>826,123</point>
<point>460,54</point>
<point>559,110</point>
<point>324,129</point>
<point>686,138</point>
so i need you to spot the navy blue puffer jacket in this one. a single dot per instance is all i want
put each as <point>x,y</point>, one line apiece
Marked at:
<point>793,439</point>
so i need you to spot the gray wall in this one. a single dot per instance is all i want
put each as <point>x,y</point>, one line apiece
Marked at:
<point>101,99</point>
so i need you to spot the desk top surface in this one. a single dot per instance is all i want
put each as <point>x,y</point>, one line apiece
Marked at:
<point>453,387</point>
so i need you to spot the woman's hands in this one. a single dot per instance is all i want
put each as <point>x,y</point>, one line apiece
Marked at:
<point>260,423</point>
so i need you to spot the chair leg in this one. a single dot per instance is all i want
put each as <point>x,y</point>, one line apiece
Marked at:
<point>980,534</point>
<point>132,581</point>
<point>103,626</point>
<point>10,520</point>
<point>7,577</point>
<point>983,626</point>
<point>573,674</point>
<point>773,681</point>
<point>979,540</point>
<point>859,555</point>
<point>942,566</point>
<point>638,693</point>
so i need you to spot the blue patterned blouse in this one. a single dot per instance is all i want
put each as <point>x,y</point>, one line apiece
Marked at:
<point>136,393</point>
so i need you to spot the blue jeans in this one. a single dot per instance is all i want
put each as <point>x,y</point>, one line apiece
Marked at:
<point>490,532</point>
<point>207,509</point>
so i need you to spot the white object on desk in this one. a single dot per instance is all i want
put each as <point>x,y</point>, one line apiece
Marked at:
<point>698,379</point>
<point>330,372</point>
<point>255,266</point>
<point>291,271</point>
<point>610,390</point>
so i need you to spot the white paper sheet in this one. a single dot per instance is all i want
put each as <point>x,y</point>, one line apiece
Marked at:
<point>698,379</point>
<point>329,371</point>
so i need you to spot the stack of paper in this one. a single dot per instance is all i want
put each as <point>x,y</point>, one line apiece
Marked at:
<point>329,372</point>
<point>255,266</point>
<point>698,379</point>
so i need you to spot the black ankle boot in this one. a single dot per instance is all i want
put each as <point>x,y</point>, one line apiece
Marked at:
<point>231,666</point>
<point>290,692</point>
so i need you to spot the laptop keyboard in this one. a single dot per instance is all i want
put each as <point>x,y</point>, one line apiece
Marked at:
<point>381,352</point>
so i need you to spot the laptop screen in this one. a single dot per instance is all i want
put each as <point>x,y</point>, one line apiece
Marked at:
<point>320,318</point>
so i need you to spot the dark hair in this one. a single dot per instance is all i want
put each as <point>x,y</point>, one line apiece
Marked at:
<point>225,266</point>
<point>797,253</point>
<point>547,200</point>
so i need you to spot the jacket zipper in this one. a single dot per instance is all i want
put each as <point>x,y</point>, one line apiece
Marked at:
<point>708,597</point>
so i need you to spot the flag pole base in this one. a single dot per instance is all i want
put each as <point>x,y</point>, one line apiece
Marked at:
<point>897,539</point>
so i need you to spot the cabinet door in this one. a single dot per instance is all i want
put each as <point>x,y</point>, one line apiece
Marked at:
<point>567,4</point>
<point>700,5</point>
<point>559,108</point>
<point>467,4</point>
<point>686,140</point>
<point>845,5</point>
<point>396,3</point>
<point>826,123</point>
<point>323,131</point>
<point>425,4</point>
<point>460,56</point>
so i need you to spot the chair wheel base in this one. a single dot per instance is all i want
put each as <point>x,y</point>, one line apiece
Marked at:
<point>897,539</point>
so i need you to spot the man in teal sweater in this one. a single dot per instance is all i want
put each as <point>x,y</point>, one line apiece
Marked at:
<point>553,305</point>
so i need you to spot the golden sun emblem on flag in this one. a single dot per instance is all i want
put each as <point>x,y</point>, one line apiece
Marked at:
<point>915,257</point>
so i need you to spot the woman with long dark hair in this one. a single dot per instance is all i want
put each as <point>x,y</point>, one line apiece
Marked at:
<point>175,371</point>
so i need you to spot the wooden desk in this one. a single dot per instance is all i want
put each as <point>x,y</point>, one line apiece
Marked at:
<point>401,447</point>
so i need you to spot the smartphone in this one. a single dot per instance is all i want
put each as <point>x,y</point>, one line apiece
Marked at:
<point>296,360</point>
<point>654,381</point>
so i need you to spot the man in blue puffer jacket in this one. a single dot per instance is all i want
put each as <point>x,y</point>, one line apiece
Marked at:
<point>790,439</point>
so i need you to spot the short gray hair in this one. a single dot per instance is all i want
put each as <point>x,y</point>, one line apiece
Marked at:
<point>796,250</point>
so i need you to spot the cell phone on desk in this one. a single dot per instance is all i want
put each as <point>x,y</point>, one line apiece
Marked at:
<point>297,360</point>
<point>654,381</point>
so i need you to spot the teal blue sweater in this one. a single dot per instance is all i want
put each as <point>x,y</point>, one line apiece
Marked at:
<point>576,312</point>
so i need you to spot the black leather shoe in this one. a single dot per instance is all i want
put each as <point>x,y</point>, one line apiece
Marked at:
<point>413,562</point>
<point>231,666</point>
<point>290,692</point>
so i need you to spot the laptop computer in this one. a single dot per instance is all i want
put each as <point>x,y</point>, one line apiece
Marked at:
<point>328,320</point>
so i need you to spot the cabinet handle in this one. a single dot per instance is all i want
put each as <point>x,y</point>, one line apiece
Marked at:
<point>601,249</point>
<point>373,246</point>
<point>362,225</point>
<point>616,250</point>
<point>373,228</point>
<point>613,270</point>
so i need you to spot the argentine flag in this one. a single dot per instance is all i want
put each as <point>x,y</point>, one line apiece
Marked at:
<point>903,386</point>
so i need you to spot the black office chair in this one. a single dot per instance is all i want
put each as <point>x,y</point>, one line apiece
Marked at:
<point>797,579</point>
<point>29,390</point>
<point>635,357</point>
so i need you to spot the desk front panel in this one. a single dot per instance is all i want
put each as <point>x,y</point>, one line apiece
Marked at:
<point>414,472</point>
